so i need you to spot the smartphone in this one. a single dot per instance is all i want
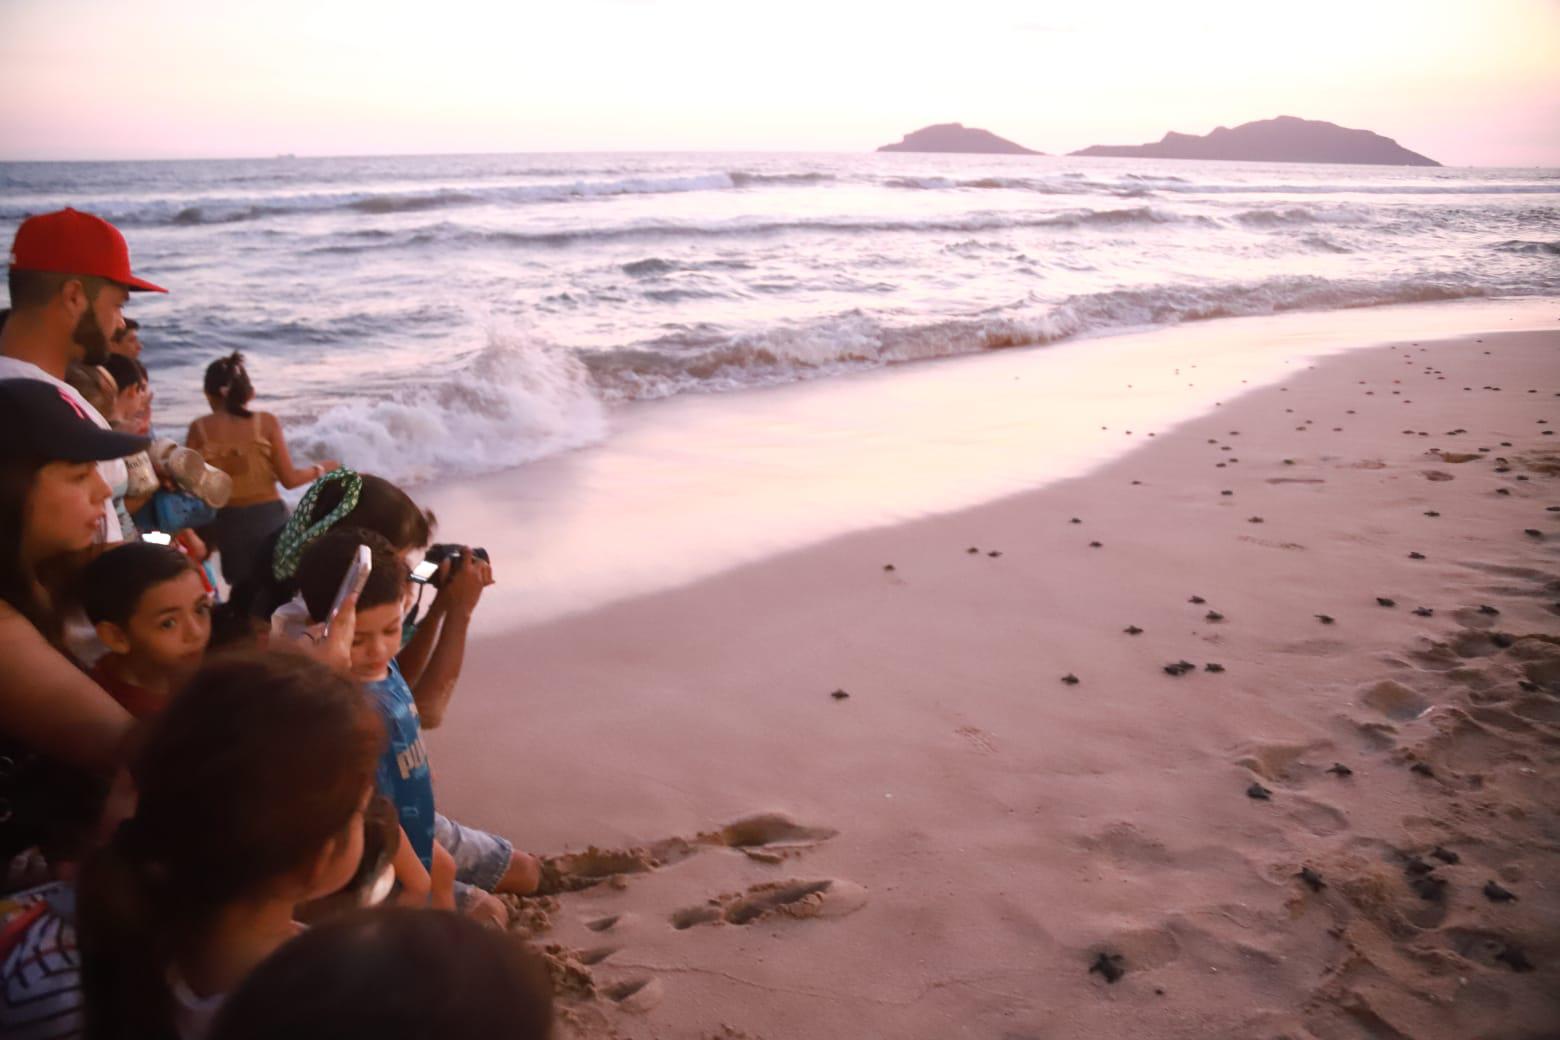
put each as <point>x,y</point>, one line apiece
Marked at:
<point>423,573</point>
<point>351,584</point>
<point>157,537</point>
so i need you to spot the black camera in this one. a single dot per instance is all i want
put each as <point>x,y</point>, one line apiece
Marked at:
<point>427,572</point>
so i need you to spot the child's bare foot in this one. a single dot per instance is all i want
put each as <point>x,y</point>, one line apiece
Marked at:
<point>523,876</point>
<point>486,908</point>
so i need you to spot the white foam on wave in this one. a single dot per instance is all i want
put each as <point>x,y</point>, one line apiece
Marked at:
<point>513,402</point>
<point>856,340</point>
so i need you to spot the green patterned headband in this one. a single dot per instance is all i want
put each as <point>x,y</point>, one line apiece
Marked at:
<point>298,532</point>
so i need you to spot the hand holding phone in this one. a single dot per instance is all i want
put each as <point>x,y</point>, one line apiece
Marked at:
<point>351,584</point>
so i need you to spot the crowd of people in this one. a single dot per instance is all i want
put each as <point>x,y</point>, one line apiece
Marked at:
<point>217,812</point>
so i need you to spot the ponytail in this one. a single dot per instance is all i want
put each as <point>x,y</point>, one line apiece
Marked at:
<point>248,775</point>
<point>227,379</point>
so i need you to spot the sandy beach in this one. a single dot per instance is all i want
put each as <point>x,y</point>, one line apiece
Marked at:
<point>935,778</point>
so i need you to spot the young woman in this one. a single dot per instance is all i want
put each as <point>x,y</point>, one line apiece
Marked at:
<point>250,448</point>
<point>253,787</point>
<point>61,736</point>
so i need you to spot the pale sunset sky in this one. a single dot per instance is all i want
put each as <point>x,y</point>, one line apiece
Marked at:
<point>1467,82</point>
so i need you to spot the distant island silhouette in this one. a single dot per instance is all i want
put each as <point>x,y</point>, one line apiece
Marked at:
<point>956,137</point>
<point>1285,139</point>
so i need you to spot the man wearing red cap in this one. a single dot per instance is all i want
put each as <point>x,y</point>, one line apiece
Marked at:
<point>69,279</point>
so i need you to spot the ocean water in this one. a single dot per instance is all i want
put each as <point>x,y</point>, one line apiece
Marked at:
<point>452,315</point>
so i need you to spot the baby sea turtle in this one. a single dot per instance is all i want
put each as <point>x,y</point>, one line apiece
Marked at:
<point>1096,545</point>
<point>1501,640</point>
<point>1503,491</point>
<point>1423,769</point>
<point>840,695</point>
<point>1513,957</point>
<point>888,566</point>
<point>1212,667</point>
<point>1485,608</point>
<point>1075,520</point>
<point>1432,512</point>
<point>1430,888</point>
<point>1385,602</point>
<point>1108,965</point>
<point>1533,532</point>
<point>1423,612</point>
<point>1070,679</point>
<point>1253,520</point>
<point>1445,855</point>
<point>994,553</point>
<point>1196,599</point>
<point>972,550</point>
<point>1324,619</point>
<point>1416,556</point>
<point>1213,615</point>
<point>1256,792</point>
<point>1497,894</point>
<point>1133,630</point>
<point>1180,668</point>
<point>1226,492</point>
<point>1338,769</point>
<point>1312,879</point>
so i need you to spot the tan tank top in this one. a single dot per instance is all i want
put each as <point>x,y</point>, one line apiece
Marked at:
<point>248,461</point>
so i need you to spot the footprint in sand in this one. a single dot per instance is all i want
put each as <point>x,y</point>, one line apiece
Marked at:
<point>637,994</point>
<point>799,899</point>
<point>769,837</point>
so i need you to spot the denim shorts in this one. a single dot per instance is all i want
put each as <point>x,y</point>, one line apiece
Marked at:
<point>481,859</point>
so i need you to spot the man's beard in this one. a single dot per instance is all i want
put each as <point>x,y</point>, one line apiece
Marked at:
<point>89,337</point>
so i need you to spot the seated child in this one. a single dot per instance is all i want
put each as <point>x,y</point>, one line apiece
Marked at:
<point>254,789</point>
<point>150,608</point>
<point>484,863</point>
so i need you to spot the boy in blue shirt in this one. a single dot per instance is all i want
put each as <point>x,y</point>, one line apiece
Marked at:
<point>483,862</point>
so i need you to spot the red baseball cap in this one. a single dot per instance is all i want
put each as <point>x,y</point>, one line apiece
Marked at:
<point>71,242</point>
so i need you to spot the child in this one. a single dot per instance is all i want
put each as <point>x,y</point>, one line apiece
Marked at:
<point>252,789</point>
<point>484,863</point>
<point>150,608</point>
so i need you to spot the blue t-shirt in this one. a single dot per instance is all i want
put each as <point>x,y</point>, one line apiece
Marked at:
<point>404,776</point>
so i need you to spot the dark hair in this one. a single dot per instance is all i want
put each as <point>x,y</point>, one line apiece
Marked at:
<point>35,288</point>
<point>124,330</point>
<point>250,771</point>
<point>326,561</point>
<point>112,585</point>
<point>394,974</point>
<point>381,507</point>
<point>228,380</point>
<point>127,371</point>
<point>18,581</point>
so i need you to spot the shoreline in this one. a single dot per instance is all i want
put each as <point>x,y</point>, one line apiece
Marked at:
<point>965,833</point>
<point>689,487</point>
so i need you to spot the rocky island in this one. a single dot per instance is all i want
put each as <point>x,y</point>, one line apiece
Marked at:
<point>956,137</point>
<point>1285,139</point>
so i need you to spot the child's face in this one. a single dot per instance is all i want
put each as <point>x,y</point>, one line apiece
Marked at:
<point>171,625</point>
<point>376,640</point>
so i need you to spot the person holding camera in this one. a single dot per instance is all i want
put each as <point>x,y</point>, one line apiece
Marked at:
<point>431,659</point>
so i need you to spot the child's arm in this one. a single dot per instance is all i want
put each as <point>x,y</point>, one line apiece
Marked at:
<point>442,878</point>
<point>421,887</point>
<point>410,874</point>
<point>434,687</point>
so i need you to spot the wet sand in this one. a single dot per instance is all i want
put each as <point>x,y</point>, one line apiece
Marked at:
<point>918,780</point>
